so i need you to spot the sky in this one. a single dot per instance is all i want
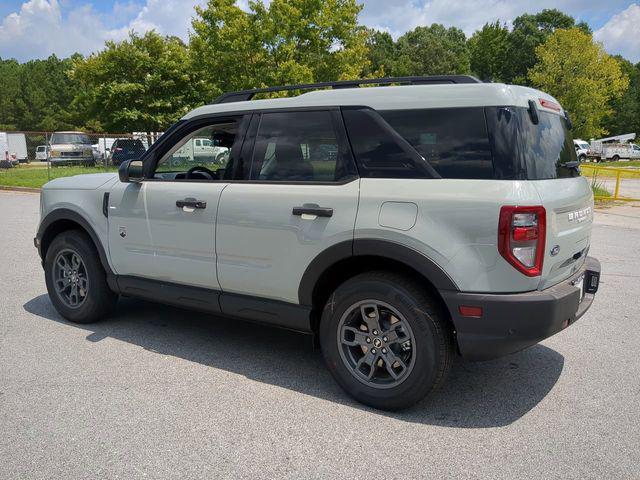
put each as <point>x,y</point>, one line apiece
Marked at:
<point>37,28</point>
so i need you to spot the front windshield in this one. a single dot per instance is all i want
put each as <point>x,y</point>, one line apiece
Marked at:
<point>72,138</point>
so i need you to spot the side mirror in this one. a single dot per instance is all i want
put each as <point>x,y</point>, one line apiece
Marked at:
<point>131,171</point>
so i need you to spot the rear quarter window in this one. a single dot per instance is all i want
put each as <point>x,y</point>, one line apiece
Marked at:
<point>453,140</point>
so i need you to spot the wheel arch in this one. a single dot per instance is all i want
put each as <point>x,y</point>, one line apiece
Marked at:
<point>62,220</point>
<point>346,259</point>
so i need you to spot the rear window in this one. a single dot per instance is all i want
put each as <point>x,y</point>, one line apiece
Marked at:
<point>524,150</point>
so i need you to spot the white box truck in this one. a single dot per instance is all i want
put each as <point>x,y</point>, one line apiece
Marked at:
<point>18,146</point>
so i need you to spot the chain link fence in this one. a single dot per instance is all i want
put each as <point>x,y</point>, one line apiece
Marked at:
<point>30,159</point>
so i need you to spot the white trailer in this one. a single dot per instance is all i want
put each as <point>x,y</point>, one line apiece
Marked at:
<point>18,146</point>
<point>5,157</point>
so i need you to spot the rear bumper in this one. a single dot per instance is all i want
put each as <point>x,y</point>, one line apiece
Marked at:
<point>512,322</point>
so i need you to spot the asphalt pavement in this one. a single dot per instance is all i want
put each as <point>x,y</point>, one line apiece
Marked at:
<point>159,392</point>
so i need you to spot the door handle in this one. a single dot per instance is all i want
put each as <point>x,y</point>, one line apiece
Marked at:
<point>191,203</point>
<point>313,209</point>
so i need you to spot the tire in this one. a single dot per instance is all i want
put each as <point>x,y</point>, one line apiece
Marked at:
<point>582,158</point>
<point>429,336</point>
<point>98,300</point>
<point>615,158</point>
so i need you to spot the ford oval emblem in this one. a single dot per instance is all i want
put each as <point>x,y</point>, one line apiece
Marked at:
<point>555,250</point>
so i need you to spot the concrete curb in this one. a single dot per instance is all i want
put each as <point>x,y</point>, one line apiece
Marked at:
<point>20,189</point>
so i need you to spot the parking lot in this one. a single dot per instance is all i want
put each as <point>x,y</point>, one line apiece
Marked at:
<point>159,392</point>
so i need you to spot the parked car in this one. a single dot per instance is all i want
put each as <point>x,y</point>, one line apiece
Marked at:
<point>70,148</point>
<point>125,149</point>
<point>41,153</point>
<point>582,149</point>
<point>400,226</point>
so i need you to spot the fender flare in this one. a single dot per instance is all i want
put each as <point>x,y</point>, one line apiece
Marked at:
<point>371,247</point>
<point>66,214</point>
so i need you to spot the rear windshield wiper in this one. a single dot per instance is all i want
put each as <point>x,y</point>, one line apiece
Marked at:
<point>572,165</point>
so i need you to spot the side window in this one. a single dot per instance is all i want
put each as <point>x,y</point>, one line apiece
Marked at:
<point>453,140</point>
<point>378,149</point>
<point>300,147</point>
<point>204,154</point>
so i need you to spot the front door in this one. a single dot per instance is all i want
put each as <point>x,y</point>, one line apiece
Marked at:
<point>163,228</point>
<point>298,198</point>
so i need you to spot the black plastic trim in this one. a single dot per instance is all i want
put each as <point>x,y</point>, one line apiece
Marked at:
<point>196,298</point>
<point>407,255</point>
<point>105,204</point>
<point>262,310</point>
<point>244,95</point>
<point>280,314</point>
<point>371,247</point>
<point>512,322</point>
<point>63,214</point>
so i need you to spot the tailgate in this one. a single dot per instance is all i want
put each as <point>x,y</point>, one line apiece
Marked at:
<point>569,205</point>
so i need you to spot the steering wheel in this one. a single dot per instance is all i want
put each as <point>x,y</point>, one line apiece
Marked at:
<point>198,168</point>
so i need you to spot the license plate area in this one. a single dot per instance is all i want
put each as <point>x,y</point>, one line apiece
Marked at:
<point>591,281</point>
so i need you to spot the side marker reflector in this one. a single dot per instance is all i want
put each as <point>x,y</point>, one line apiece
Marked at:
<point>470,311</point>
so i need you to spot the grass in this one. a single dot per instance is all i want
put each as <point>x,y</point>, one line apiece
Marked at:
<point>633,172</point>
<point>621,164</point>
<point>22,176</point>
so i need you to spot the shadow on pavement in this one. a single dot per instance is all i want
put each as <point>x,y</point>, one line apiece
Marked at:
<point>476,395</point>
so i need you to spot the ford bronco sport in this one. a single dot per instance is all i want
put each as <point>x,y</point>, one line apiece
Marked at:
<point>401,225</point>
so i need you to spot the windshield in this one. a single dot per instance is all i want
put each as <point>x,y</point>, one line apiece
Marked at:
<point>73,138</point>
<point>524,150</point>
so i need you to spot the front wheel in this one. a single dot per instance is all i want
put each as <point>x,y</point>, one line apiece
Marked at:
<point>76,280</point>
<point>385,341</point>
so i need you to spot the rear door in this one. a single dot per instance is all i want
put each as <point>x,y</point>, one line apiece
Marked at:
<point>298,196</point>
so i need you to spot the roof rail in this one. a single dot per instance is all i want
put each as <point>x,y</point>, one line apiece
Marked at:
<point>243,95</point>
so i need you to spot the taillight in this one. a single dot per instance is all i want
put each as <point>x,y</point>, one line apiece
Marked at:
<point>521,238</point>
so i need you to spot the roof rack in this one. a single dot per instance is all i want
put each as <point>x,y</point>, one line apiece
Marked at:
<point>244,95</point>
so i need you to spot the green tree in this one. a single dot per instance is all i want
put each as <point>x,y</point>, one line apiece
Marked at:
<point>625,110</point>
<point>10,73</point>
<point>290,41</point>
<point>140,84</point>
<point>37,95</point>
<point>381,53</point>
<point>530,31</point>
<point>579,73</point>
<point>433,50</point>
<point>488,51</point>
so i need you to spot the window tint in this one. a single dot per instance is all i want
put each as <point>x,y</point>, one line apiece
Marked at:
<point>378,152</point>
<point>525,150</point>
<point>453,140</point>
<point>298,146</point>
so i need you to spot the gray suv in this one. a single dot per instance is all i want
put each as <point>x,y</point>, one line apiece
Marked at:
<point>399,225</point>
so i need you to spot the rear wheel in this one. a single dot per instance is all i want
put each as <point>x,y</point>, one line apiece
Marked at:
<point>76,280</point>
<point>615,158</point>
<point>385,340</point>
